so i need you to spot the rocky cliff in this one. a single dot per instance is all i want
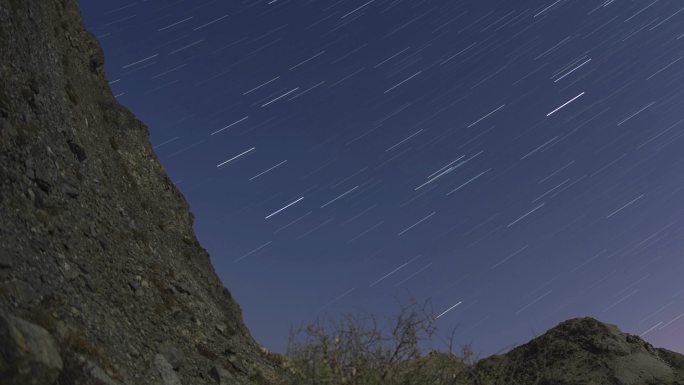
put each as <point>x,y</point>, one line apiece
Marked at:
<point>102,280</point>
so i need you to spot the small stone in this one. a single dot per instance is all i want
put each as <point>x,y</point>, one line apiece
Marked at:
<point>181,288</point>
<point>70,191</point>
<point>221,327</point>
<point>6,260</point>
<point>20,292</point>
<point>222,376</point>
<point>97,373</point>
<point>28,353</point>
<point>173,354</point>
<point>134,285</point>
<point>69,186</point>
<point>134,352</point>
<point>88,282</point>
<point>166,372</point>
<point>70,272</point>
<point>6,127</point>
<point>42,179</point>
<point>61,327</point>
<point>39,201</point>
<point>42,216</point>
<point>77,150</point>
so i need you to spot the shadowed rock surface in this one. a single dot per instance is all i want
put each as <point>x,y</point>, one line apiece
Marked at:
<point>96,243</point>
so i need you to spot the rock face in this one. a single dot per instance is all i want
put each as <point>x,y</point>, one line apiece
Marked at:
<point>584,351</point>
<point>96,243</point>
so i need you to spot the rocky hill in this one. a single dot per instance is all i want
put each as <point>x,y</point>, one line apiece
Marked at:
<point>102,280</point>
<point>584,351</point>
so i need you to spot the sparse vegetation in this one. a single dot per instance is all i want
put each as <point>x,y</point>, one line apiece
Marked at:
<point>360,350</point>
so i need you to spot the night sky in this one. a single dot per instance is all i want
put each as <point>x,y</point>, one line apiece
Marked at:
<point>519,163</point>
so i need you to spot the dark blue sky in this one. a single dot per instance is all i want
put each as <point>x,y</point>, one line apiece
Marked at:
<point>518,163</point>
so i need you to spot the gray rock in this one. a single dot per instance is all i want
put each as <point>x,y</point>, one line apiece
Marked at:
<point>6,260</point>
<point>6,128</point>
<point>134,352</point>
<point>221,327</point>
<point>642,368</point>
<point>96,372</point>
<point>173,354</point>
<point>222,376</point>
<point>70,190</point>
<point>166,372</point>
<point>70,272</point>
<point>28,354</point>
<point>69,185</point>
<point>20,291</point>
<point>42,179</point>
<point>134,285</point>
<point>77,150</point>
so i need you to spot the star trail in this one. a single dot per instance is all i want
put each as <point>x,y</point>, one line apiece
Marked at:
<point>517,163</point>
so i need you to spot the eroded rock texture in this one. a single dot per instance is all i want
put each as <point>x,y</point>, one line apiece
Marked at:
<point>96,243</point>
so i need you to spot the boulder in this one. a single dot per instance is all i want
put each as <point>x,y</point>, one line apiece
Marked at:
<point>166,372</point>
<point>173,355</point>
<point>28,353</point>
<point>222,376</point>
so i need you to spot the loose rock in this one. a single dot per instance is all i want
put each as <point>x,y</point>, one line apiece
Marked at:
<point>222,376</point>
<point>6,260</point>
<point>168,375</point>
<point>173,355</point>
<point>28,354</point>
<point>97,373</point>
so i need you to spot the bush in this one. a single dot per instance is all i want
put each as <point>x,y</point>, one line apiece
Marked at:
<point>357,351</point>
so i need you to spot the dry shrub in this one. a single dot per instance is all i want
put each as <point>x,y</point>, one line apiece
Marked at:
<point>357,350</point>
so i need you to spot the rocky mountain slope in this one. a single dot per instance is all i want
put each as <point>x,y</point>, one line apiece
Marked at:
<point>96,244</point>
<point>584,351</point>
<point>102,280</point>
